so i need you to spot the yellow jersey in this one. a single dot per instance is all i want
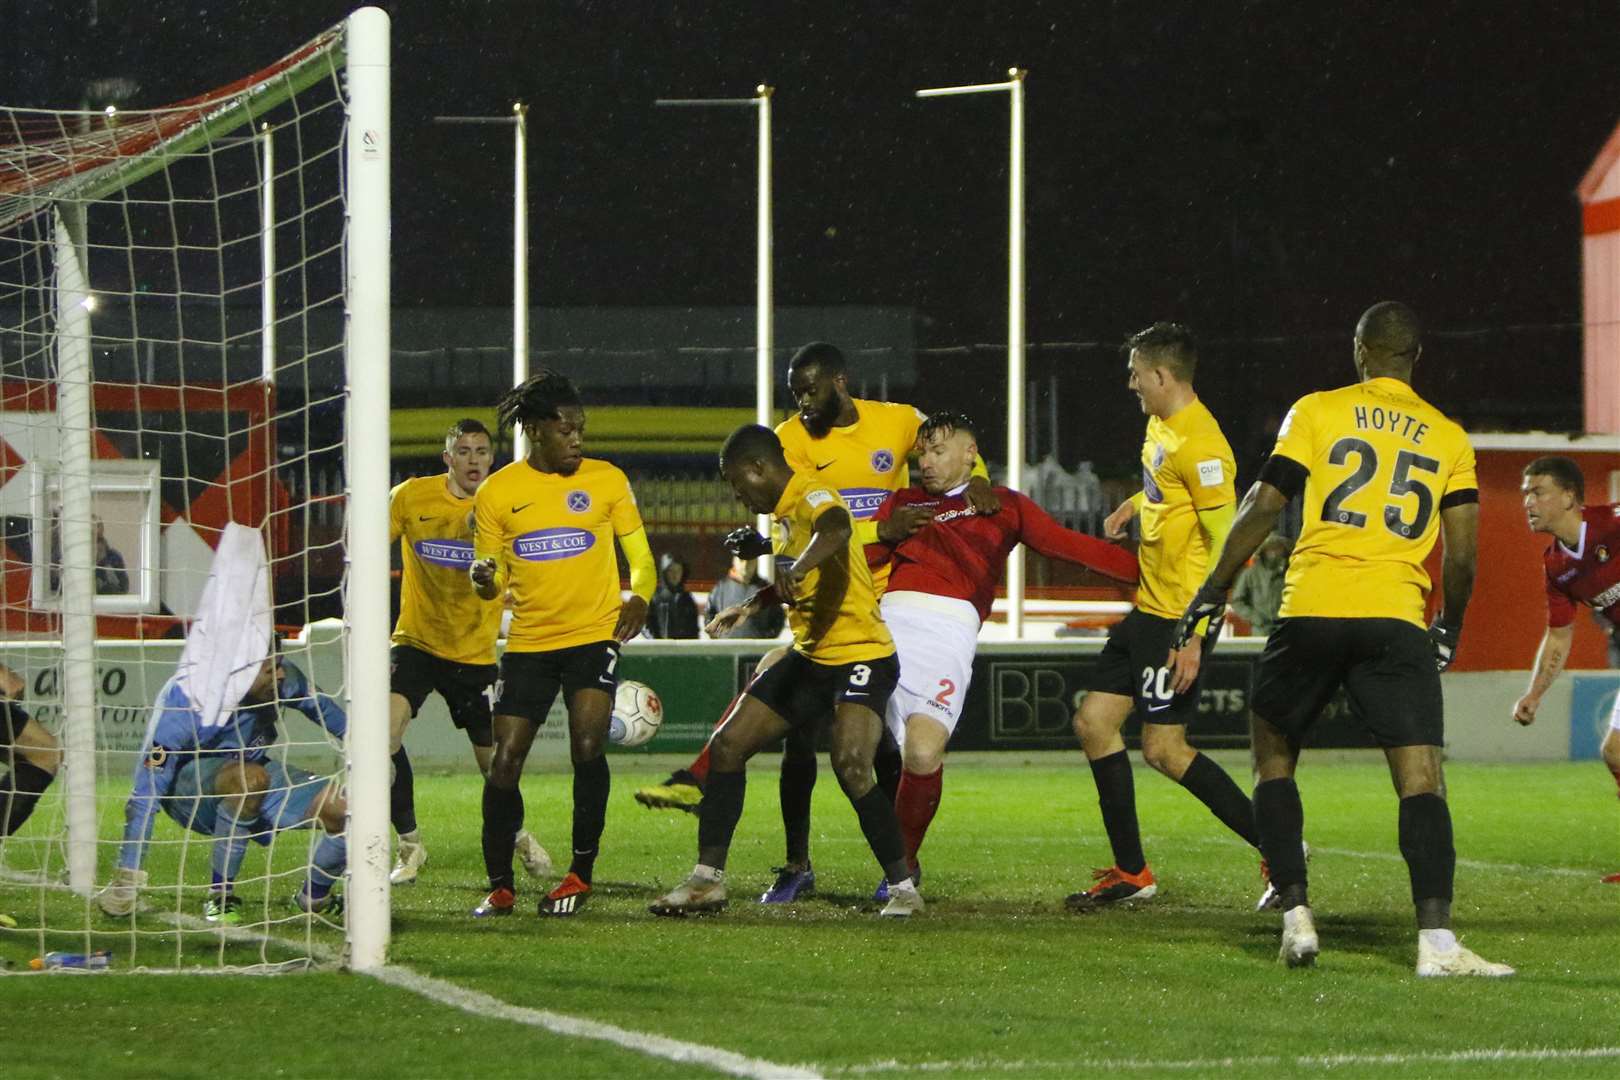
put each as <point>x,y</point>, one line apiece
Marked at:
<point>1380,463</point>
<point>438,611</point>
<point>1187,466</point>
<point>836,620</point>
<point>864,461</point>
<point>551,537</point>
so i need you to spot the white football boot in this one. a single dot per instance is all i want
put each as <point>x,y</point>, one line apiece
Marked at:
<point>904,901</point>
<point>410,859</point>
<point>1433,962</point>
<point>536,861</point>
<point>1299,944</point>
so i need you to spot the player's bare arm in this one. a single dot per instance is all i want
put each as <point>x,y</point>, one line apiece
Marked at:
<point>831,536</point>
<point>1256,516</point>
<point>980,496</point>
<point>905,521</point>
<point>722,622</point>
<point>1459,530</point>
<point>1115,524</point>
<point>1550,661</point>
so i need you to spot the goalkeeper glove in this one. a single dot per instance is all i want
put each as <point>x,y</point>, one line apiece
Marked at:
<point>1444,639</point>
<point>1208,603</point>
<point>745,543</point>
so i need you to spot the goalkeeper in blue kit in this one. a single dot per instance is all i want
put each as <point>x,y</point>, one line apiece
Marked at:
<point>218,779</point>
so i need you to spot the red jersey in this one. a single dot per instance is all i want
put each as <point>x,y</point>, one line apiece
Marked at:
<point>1590,574</point>
<point>960,553</point>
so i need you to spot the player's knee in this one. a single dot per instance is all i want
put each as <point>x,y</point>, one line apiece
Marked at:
<point>770,658</point>
<point>854,771</point>
<point>923,760</point>
<point>505,767</point>
<point>586,745</point>
<point>1611,749</point>
<point>333,810</point>
<point>725,755</point>
<point>1165,749</point>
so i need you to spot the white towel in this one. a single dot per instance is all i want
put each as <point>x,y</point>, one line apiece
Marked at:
<point>230,637</point>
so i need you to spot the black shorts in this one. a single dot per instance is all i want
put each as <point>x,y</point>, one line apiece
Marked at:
<point>1132,664</point>
<point>803,692</point>
<point>466,688</point>
<point>13,718</point>
<point>1386,667</point>
<point>530,680</point>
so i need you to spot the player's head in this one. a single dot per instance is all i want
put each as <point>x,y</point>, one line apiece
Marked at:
<point>754,465</point>
<point>548,407</point>
<point>269,673</point>
<point>1554,490</point>
<point>1162,361</point>
<point>468,452</point>
<point>947,443</point>
<point>817,381</point>
<point>1389,340</point>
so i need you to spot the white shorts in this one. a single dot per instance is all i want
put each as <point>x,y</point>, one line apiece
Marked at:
<point>935,638</point>
<point>1614,714</point>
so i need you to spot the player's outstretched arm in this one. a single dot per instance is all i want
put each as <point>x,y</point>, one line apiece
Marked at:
<point>1459,531</point>
<point>1550,660</point>
<point>1114,524</point>
<point>1041,532</point>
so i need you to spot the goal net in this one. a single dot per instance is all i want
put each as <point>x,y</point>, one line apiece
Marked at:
<point>192,298</point>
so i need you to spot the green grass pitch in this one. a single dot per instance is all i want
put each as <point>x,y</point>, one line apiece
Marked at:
<point>995,979</point>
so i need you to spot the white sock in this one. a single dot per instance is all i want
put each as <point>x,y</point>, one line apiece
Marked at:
<point>908,884</point>
<point>412,837</point>
<point>1439,940</point>
<point>707,873</point>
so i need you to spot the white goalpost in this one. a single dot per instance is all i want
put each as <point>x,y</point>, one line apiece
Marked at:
<point>194,355</point>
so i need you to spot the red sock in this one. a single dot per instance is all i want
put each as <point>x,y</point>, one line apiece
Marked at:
<point>700,767</point>
<point>914,804</point>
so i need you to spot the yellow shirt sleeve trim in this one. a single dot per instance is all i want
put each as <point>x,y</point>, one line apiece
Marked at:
<point>638,553</point>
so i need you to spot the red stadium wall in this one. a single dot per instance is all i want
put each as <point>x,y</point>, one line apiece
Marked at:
<point>1508,612</point>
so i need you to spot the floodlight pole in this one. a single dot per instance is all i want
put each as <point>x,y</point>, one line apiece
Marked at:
<point>520,247</point>
<point>1014,86</point>
<point>764,287</point>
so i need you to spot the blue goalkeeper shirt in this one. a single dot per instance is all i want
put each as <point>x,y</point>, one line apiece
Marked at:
<point>175,738</point>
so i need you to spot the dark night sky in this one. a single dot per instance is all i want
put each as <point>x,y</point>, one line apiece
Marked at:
<point>1254,168</point>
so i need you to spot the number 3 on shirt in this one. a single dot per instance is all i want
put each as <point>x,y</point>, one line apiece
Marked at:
<point>1401,485</point>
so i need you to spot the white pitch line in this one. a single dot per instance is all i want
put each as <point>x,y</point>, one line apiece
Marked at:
<point>1303,1061</point>
<point>480,1004</point>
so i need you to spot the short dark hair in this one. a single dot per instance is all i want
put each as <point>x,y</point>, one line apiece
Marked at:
<point>466,426</point>
<point>1166,344</point>
<point>947,422</point>
<point>1564,472</point>
<point>539,397</point>
<point>752,442</point>
<point>823,354</point>
<point>1391,332</point>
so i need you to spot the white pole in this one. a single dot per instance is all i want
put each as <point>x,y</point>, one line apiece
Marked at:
<point>1015,339</point>
<point>73,409</point>
<point>267,255</point>
<point>367,601</point>
<point>520,263</point>
<point>764,296</point>
<point>1015,313</point>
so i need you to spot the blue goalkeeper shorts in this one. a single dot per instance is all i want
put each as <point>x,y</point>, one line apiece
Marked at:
<point>288,803</point>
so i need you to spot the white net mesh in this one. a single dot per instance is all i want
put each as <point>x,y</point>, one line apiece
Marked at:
<point>171,375</point>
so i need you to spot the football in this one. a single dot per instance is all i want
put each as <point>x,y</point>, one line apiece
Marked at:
<point>637,714</point>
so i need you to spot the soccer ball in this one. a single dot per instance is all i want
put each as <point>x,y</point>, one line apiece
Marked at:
<point>637,714</point>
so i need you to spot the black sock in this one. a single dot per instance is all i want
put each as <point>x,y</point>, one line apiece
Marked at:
<point>795,786</point>
<point>718,815</point>
<point>503,817</point>
<point>402,795</point>
<point>888,765</point>
<point>1216,790</point>
<point>19,792</point>
<point>592,782</point>
<point>1116,795</point>
<point>882,831</point>
<point>1431,859</point>
<point>1280,820</point>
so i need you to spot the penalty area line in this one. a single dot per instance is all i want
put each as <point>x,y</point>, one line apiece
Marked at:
<point>687,1053</point>
<point>1492,1055</point>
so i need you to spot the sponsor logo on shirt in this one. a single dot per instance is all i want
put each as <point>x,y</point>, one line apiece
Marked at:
<point>1150,487</point>
<point>1607,598</point>
<point>1210,473</point>
<point>546,545</point>
<point>818,497</point>
<point>882,461</point>
<point>578,501</point>
<point>863,502</point>
<point>455,554</point>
